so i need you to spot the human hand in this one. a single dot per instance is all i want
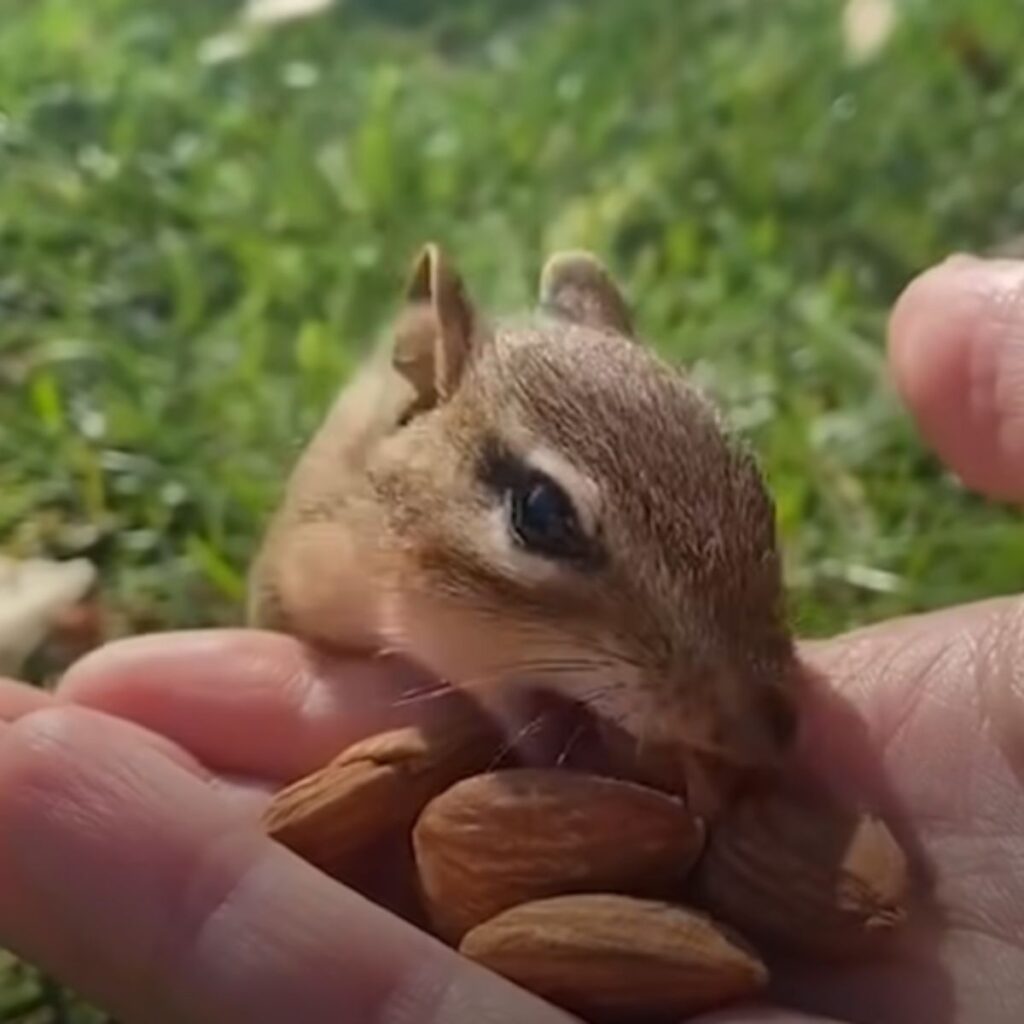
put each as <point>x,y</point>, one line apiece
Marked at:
<point>131,867</point>
<point>940,697</point>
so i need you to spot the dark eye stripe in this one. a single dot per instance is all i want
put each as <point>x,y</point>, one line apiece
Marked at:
<point>500,470</point>
<point>514,481</point>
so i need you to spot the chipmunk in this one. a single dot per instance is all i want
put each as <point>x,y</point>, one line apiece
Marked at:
<point>542,498</point>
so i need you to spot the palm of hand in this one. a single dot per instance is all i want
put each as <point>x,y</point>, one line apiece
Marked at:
<point>929,720</point>
<point>942,709</point>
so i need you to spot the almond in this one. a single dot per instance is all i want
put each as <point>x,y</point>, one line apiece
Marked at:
<point>813,876</point>
<point>511,836</point>
<point>377,787</point>
<point>615,958</point>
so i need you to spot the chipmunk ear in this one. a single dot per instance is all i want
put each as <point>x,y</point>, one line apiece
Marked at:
<point>434,335</point>
<point>576,286</point>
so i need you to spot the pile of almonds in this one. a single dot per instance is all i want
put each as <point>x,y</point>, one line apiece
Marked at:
<point>602,895</point>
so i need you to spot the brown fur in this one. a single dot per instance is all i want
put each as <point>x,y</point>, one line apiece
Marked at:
<point>677,631</point>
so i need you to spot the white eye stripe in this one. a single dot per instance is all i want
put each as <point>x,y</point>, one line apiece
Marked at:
<point>511,559</point>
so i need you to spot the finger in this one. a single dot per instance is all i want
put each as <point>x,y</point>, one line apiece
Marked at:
<point>956,351</point>
<point>129,879</point>
<point>17,699</point>
<point>246,702</point>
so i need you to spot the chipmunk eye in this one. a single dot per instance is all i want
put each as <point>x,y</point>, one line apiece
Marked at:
<point>543,520</point>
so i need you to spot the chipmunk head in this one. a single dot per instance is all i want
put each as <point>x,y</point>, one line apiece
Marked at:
<point>563,507</point>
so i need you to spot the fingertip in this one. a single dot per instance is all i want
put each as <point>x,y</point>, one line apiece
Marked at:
<point>956,357</point>
<point>915,347</point>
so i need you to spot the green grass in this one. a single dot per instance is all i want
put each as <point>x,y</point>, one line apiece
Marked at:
<point>197,240</point>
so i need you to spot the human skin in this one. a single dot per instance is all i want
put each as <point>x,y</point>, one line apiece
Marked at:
<point>132,867</point>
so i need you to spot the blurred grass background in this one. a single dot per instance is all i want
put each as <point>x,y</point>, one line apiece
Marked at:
<point>204,224</point>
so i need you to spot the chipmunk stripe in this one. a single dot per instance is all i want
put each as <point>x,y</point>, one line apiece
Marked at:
<point>501,470</point>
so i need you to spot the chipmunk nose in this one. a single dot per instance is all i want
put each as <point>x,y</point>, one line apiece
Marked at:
<point>756,715</point>
<point>780,714</point>
<point>769,720</point>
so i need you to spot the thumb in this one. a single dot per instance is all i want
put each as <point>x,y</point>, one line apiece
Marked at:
<point>956,353</point>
